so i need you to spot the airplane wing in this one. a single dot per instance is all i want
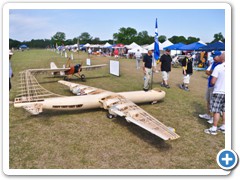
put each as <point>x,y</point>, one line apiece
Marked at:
<point>42,70</point>
<point>80,89</point>
<point>117,105</point>
<point>93,67</point>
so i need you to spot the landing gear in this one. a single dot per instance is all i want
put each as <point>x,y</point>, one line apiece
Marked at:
<point>111,116</point>
<point>83,78</point>
<point>66,78</point>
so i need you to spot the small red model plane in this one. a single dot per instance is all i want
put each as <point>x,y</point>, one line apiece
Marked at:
<point>69,70</point>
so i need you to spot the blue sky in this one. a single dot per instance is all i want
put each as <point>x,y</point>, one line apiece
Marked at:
<point>103,23</point>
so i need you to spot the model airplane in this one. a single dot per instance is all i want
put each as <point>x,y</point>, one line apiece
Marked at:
<point>34,98</point>
<point>69,71</point>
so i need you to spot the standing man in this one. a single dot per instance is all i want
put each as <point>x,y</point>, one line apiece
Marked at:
<point>165,64</point>
<point>89,52</point>
<point>217,103</point>
<point>116,52</point>
<point>187,71</point>
<point>216,55</point>
<point>10,69</point>
<point>147,69</point>
<point>138,56</point>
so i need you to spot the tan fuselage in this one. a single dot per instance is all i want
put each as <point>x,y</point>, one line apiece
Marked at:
<point>92,101</point>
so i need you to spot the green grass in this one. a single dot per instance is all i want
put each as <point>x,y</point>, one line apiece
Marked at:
<point>89,140</point>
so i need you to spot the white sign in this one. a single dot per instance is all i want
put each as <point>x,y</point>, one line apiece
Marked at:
<point>88,62</point>
<point>114,68</point>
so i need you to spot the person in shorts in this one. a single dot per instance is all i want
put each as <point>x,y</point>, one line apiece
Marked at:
<point>217,103</point>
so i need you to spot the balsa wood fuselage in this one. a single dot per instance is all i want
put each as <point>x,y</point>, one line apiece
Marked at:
<point>90,102</point>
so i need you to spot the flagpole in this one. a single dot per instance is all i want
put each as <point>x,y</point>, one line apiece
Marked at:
<point>156,51</point>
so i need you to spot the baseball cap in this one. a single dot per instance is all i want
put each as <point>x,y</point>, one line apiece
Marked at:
<point>216,53</point>
<point>168,50</point>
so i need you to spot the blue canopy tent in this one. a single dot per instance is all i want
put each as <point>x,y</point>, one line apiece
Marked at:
<point>192,47</point>
<point>174,46</point>
<point>213,47</point>
<point>23,46</point>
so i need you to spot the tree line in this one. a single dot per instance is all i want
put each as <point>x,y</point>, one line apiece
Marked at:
<point>124,36</point>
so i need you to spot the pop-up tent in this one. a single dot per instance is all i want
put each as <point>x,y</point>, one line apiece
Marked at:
<point>213,47</point>
<point>174,46</point>
<point>192,47</point>
<point>23,46</point>
<point>134,50</point>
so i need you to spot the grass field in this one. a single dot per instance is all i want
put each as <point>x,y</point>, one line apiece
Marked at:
<point>89,140</point>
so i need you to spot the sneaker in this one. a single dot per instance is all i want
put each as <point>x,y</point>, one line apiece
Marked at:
<point>145,89</point>
<point>186,89</point>
<point>162,85</point>
<point>210,121</point>
<point>181,86</point>
<point>205,116</point>
<point>210,131</point>
<point>167,86</point>
<point>221,129</point>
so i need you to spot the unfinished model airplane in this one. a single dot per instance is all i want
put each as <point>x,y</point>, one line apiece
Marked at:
<point>34,98</point>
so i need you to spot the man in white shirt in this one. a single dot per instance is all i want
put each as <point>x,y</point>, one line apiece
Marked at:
<point>217,103</point>
<point>138,56</point>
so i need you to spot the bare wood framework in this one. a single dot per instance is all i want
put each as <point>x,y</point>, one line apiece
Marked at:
<point>30,90</point>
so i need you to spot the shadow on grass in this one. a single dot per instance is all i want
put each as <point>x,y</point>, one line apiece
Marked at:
<point>144,135</point>
<point>135,130</point>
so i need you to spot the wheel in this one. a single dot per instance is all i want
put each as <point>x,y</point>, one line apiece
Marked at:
<point>83,78</point>
<point>110,116</point>
<point>66,78</point>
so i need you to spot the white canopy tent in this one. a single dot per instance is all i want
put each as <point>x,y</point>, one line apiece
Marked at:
<point>107,45</point>
<point>133,46</point>
<point>86,45</point>
<point>166,43</point>
<point>134,50</point>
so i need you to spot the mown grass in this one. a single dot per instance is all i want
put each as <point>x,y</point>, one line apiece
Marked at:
<point>89,140</point>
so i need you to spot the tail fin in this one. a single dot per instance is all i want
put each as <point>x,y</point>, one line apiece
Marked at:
<point>53,65</point>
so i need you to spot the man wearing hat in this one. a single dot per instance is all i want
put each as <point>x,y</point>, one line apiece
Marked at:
<point>165,64</point>
<point>217,103</point>
<point>209,93</point>
<point>10,69</point>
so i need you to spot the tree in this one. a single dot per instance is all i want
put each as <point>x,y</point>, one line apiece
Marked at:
<point>177,39</point>
<point>85,38</point>
<point>162,38</point>
<point>96,40</point>
<point>125,35</point>
<point>14,43</point>
<point>192,40</point>
<point>218,37</point>
<point>143,38</point>
<point>59,38</point>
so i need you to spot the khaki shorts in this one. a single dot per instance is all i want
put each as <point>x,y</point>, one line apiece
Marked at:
<point>186,79</point>
<point>165,75</point>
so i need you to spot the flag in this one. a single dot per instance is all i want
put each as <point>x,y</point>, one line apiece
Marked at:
<point>156,43</point>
